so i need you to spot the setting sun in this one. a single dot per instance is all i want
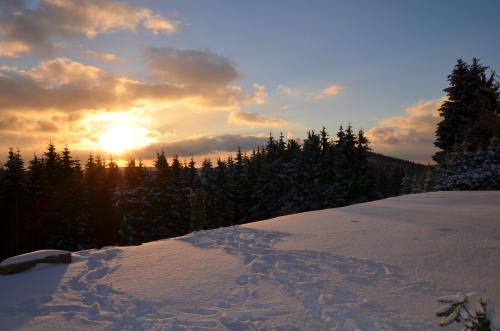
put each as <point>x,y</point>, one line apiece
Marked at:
<point>120,138</point>
<point>116,132</point>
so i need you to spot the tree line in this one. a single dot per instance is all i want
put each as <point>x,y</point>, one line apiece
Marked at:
<point>55,201</point>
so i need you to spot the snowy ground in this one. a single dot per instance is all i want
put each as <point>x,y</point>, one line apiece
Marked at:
<point>373,266</point>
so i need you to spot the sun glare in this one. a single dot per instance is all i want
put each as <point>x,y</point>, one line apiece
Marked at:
<point>118,133</point>
<point>119,139</point>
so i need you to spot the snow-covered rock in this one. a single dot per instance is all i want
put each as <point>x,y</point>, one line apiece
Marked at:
<point>372,266</point>
<point>27,261</point>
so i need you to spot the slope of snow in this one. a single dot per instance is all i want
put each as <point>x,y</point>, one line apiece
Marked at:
<point>32,256</point>
<point>374,266</point>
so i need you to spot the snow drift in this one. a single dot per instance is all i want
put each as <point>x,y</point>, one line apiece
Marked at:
<point>27,261</point>
<point>373,266</point>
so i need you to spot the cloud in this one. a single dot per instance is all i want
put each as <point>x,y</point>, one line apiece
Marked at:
<point>68,86</point>
<point>13,48</point>
<point>410,136</point>
<point>261,96</point>
<point>157,23</point>
<point>190,67</point>
<point>15,123</point>
<point>63,71</point>
<point>331,90</point>
<point>105,57</point>
<point>286,90</point>
<point>54,100</point>
<point>253,119</point>
<point>18,140</point>
<point>25,29</point>
<point>10,122</point>
<point>206,145</point>
<point>326,93</point>
<point>46,126</point>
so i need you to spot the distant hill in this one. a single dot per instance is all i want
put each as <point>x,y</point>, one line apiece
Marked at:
<point>412,167</point>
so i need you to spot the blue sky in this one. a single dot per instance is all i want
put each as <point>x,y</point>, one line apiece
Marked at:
<point>389,60</point>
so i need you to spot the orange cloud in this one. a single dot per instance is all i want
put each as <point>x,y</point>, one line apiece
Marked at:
<point>253,119</point>
<point>261,96</point>
<point>63,71</point>
<point>410,136</point>
<point>326,93</point>
<point>105,57</point>
<point>69,86</point>
<point>14,48</point>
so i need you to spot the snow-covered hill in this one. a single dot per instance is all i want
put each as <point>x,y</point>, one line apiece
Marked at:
<point>373,266</point>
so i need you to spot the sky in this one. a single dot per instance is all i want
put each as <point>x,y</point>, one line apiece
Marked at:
<point>201,78</point>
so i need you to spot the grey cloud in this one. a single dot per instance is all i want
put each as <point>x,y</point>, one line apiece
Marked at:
<point>205,145</point>
<point>46,126</point>
<point>410,135</point>
<point>190,67</point>
<point>105,57</point>
<point>254,119</point>
<point>10,122</point>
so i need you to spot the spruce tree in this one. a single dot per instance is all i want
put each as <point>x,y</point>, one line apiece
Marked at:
<point>12,200</point>
<point>470,125</point>
<point>208,188</point>
<point>178,195</point>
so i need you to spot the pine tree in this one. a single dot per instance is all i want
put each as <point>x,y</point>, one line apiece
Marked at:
<point>450,130</point>
<point>12,199</point>
<point>223,195</point>
<point>470,125</point>
<point>52,214</point>
<point>134,205</point>
<point>36,188</point>
<point>268,188</point>
<point>208,189</point>
<point>327,170</point>
<point>363,173</point>
<point>343,168</point>
<point>238,184</point>
<point>161,206</point>
<point>178,195</point>
<point>472,102</point>
<point>72,230</point>
<point>310,172</point>
<point>291,197</point>
<point>100,189</point>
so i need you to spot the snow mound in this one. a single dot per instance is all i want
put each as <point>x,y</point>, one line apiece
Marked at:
<point>26,261</point>
<point>373,266</point>
<point>37,255</point>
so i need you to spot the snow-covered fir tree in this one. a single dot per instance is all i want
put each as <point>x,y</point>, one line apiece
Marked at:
<point>469,131</point>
